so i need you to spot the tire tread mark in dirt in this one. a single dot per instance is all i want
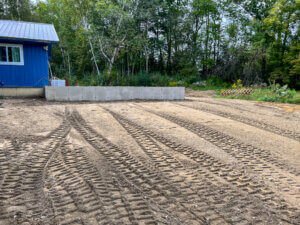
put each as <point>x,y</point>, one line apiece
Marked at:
<point>119,200</point>
<point>237,106</point>
<point>26,177</point>
<point>80,198</point>
<point>132,203</point>
<point>10,155</point>
<point>158,191</point>
<point>4,163</point>
<point>105,191</point>
<point>235,178</point>
<point>251,122</point>
<point>166,163</point>
<point>61,200</point>
<point>253,158</point>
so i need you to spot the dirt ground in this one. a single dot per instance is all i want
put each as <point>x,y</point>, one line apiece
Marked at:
<point>198,161</point>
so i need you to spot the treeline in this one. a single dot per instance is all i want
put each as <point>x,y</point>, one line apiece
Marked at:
<point>109,40</point>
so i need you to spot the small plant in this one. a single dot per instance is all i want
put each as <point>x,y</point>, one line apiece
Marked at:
<point>279,94</point>
<point>273,93</point>
<point>172,83</point>
<point>238,84</point>
<point>177,83</point>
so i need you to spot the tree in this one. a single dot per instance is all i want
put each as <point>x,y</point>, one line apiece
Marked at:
<point>232,39</point>
<point>282,27</point>
<point>16,9</point>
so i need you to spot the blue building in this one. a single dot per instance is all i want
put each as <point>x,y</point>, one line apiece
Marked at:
<point>25,50</point>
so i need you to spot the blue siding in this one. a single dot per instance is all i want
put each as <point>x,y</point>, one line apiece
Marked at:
<point>34,73</point>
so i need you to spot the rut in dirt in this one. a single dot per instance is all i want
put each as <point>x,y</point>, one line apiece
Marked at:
<point>257,160</point>
<point>53,180</point>
<point>236,185</point>
<point>252,122</point>
<point>22,186</point>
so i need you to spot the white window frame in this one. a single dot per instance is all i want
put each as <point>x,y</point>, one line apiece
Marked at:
<point>21,63</point>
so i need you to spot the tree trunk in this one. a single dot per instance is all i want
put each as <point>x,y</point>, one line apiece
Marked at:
<point>147,59</point>
<point>205,66</point>
<point>69,64</point>
<point>169,40</point>
<point>94,57</point>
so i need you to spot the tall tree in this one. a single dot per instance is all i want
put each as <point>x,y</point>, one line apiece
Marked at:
<point>16,9</point>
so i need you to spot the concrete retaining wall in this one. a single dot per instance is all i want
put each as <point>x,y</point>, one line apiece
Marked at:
<point>113,93</point>
<point>22,92</point>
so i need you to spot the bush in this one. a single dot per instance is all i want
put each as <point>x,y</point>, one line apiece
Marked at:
<point>173,83</point>
<point>179,83</point>
<point>157,79</point>
<point>238,84</point>
<point>212,83</point>
<point>141,79</point>
<point>279,94</point>
<point>149,79</point>
<point>273,93</point>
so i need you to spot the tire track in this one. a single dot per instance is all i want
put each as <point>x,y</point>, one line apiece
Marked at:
<point>72,197</point>
<point>238,181</point>
<point>245,120</point>
<point>167,198</point>
<point>257,160</point>
<point>11,152</point>
<point>119,206</point>
<point>241,107</point>
<point>229,105</point>
<point>166,164</point>
<point>21,190</point>
<point>4,163</point>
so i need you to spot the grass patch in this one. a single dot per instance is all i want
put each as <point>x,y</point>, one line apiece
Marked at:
<point>208,88</point>
<point>296,99</point>
<point>270,95</point>
<point>212,83</point>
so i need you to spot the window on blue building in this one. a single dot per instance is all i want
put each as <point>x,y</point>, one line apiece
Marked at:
<point>11,54</point>
<point>3,54</point>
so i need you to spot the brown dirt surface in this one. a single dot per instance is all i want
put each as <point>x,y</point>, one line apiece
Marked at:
<point>200,161</point>
<point>193,93</point>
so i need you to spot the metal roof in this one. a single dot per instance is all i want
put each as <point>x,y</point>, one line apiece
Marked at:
<point>28,31</point>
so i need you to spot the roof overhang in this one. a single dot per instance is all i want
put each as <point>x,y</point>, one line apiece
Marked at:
<point>28,32</point>
<point>24,40</point>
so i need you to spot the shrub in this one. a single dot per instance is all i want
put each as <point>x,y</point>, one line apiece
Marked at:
<point>273,93</point>
<point>238,84</point>
<point>157,79</point>
<point>173,83</point>
<point>177,83</point>
<point>279,94</point>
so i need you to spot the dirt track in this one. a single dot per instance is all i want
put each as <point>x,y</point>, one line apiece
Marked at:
<point>201,161</point>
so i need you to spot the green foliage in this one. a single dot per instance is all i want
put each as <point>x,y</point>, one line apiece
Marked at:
<point>296,99</point>
<point>232,30</point>
<point>88,80</point>
<point>283,35</point>
<point>238,84</point>
<point>140,79</point>
<point>212,83</point>
<point>155,42</point>
<point>273,93</point>
<point>216,81</point>
<point>280,93</point>
<point>15,10</point>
